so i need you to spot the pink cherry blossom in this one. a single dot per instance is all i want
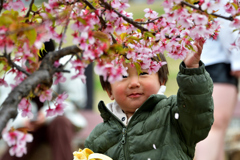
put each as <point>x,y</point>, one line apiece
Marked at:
<point>58,37</point>
<point>123,6</point>
<point>16,140</point>
<point>235,23</point>
<point>24,103</point>
<point>144,62</point>
<point>3,82</point>
<point>110,72</point>
<point>83,42</point>
<point>59,78</point>
<point>27,112</point>
<point>77,26</point>
<point>119,21</point>
<point>128,15</point>
<point>229,8</point>
<point>19,77</point>
<point>91,39</point>
<point>50,112</point>
<point>132,55</point>
<point>167,5</point>
<point>120,29</point>
<point>17,150</point>
<point>185,22</point>
<point>209,6</point>
<point>199,19</point>
<point>150,26</point>
<point>116,73</point>
<point>184,33</point>
<point>150,1</point>
<point>150,13</point>
<point>25,138</point>
<point>109,28</point>
<point>92,19</point>
<point>110,15</point>
<point>8,43</point>
<point>18,5</point>
<point>10,137</point>
<point>115,4</point>
<point>46,95</point>
<point>61,97</point>
<point>23,9</point>
<point>59,109</point>
<point>154,67</point>
<point>56,64</point>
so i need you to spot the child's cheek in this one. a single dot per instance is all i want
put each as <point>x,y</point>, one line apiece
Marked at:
<point>151,89</point>
<point>120,92</point>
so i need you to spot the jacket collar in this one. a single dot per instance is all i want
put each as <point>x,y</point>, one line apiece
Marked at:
<point>147,106</point>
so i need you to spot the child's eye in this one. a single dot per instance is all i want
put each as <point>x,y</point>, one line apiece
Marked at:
<point>144,73</point>
<point>123,76</point>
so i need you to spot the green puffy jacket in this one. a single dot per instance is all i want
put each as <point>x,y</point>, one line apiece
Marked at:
<point>162,128</point>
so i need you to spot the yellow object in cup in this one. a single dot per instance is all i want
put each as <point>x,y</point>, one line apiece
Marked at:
<point>88,154</point>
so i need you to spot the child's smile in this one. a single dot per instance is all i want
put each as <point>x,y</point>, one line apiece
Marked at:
<point>135,95</point>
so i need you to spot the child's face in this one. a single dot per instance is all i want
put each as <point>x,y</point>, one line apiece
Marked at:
<point>133,90</point>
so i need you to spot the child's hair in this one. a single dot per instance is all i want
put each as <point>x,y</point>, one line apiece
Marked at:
<point>162,74</point>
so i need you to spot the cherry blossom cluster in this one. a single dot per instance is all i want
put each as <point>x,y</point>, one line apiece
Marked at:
<point>59,106</point>
<point>17,141</point>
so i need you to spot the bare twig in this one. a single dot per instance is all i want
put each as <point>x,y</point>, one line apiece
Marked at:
<point>92,7</point>
<point>30,9</point>
<point>1,5</point>
<point>102,21</point>
<point>14,65</point>
<point>68,61</point>
<point>129,20</point>
<point>61,70</point>
<point>199,8</point>
<point>151,21</point>
<point>64,32</point>
<point>11,63</point>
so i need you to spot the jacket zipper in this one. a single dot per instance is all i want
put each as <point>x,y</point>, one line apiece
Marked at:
<point>124,131</point>
<point>124,143</point>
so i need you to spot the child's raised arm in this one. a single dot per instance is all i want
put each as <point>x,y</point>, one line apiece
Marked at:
<point>192,59</point>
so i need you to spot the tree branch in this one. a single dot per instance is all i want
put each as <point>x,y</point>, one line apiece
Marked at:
<point>1,5</point>
<point>30,9</point>
<point>42,76</point>
<point>199,8</point>
<point>11,63</point>
<point>102,21</point>
<point>129,20</point>
<point>64,32</point>
<point>92,7</point>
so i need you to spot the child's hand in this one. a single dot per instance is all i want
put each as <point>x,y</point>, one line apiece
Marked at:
<point>192,59</point>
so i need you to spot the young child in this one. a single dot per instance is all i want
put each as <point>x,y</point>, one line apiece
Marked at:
<point>143,124</point>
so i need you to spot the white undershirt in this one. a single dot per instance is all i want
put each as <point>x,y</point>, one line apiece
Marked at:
<point>118,112</point>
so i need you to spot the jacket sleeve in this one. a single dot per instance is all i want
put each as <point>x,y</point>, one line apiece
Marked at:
<point>194,104</point>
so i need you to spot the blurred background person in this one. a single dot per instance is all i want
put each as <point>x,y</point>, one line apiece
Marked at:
<point>58,131</point>
<point>223,64</point>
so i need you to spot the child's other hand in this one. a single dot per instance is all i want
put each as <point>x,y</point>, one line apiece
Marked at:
<point>34,125</point>
<point>192,59</point>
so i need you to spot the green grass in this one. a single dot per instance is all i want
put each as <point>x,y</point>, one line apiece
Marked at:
<point>137,9</point>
